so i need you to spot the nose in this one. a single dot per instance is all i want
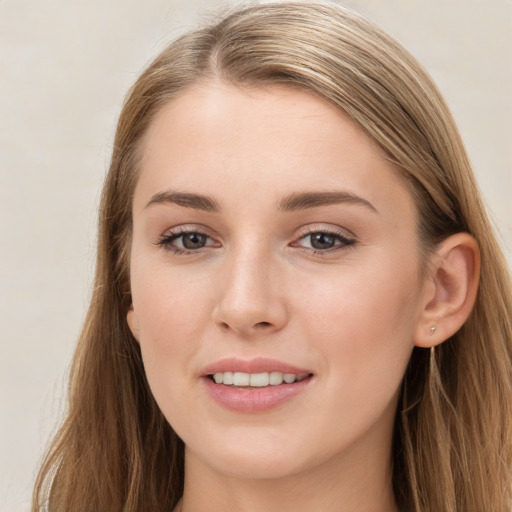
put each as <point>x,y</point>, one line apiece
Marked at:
<point>251,299</point>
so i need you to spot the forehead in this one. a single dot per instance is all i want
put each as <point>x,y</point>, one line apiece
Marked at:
<point>258,112</point>
<point>262,143</point>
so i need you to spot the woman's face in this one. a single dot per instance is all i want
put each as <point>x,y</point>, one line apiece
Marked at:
<point>271,241</point>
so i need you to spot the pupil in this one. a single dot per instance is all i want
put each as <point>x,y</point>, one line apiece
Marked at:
<point>322,241</point>
<point>194,241</point>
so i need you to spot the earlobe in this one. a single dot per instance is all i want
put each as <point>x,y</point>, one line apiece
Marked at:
<point>451,290</point>
<point>133,324</point>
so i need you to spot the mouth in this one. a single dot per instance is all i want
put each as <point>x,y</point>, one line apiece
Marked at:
<point>257,380</point>
<point>255,385</point>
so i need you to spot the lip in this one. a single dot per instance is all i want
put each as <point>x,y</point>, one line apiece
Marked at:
<point>255,365</point>
<point>253,400</point>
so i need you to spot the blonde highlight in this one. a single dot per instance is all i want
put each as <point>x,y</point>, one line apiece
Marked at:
<point>115,450</point>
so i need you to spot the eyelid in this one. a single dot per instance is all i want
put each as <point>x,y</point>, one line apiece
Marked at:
<point>166,239</point>
<point>183,229</point>
<point>325,228</point>
<point>346,237</point>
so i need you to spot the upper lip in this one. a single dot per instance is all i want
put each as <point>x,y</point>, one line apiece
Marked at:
<point>254,365</point>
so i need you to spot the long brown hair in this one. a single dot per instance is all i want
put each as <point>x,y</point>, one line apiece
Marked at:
<point>452,444</point>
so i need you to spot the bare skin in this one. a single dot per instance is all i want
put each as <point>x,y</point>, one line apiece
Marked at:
<point>267,224</point>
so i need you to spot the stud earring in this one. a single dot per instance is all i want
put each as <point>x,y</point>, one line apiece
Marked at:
<point>433,329</point>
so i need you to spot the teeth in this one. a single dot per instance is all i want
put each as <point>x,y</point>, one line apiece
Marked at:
<point>275,378</point>
<point>259,380</point>
<point>240,379</point>
<point>256,380</point>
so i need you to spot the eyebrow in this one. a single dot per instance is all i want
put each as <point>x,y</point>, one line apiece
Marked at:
<point>293,202</point>
<point>305,200</point>
<point>196,201</point>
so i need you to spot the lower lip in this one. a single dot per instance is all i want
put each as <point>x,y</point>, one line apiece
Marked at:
<point>242,399</point>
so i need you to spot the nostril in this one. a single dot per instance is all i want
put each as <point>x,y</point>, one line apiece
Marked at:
<point>263,324</point>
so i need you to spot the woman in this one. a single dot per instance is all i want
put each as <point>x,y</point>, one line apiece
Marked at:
<point>299,302</point>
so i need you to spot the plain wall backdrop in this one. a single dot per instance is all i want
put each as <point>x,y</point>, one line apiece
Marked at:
<point>64,70</point>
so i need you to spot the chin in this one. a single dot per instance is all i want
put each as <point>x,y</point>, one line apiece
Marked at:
<point>255,466</point>
<point>249,457</point>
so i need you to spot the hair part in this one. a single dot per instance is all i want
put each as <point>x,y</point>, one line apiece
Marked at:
<point>115,450</point>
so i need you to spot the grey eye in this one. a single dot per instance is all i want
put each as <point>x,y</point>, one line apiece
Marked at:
<point>193,240</point>
<point>322,240</point>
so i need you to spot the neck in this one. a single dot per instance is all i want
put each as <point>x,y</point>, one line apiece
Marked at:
<point>357,482</point>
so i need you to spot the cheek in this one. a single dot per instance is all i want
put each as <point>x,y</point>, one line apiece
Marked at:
<point>362,336</point>
<point>167,303</point>
<point>363,322</point>
<point>171,319</point>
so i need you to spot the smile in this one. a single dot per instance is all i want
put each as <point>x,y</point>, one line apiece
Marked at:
<point>255,385</point>
<point>256,380</point>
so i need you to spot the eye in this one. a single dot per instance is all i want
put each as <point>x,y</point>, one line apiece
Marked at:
<point>193,241</point>
<point>185,242</point>
<point>324,241</point>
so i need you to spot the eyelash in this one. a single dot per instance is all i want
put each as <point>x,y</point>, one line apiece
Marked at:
<point>166,241</point>
<point>343,241</point>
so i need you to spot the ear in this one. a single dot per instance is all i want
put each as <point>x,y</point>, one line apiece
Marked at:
<point>450,290</point>
<point>133,323</point>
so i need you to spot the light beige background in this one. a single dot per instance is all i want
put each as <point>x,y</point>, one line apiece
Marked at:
<point>64,69</point>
